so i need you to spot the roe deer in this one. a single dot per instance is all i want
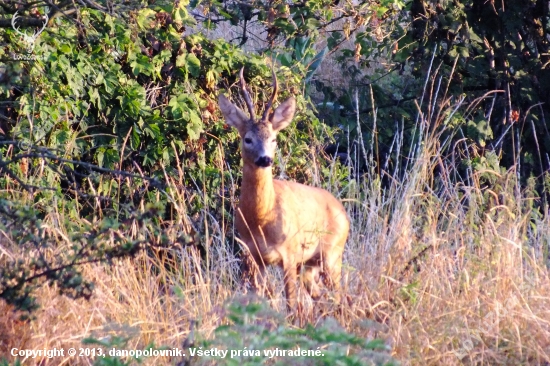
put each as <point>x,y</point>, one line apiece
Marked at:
<point>283,222</point>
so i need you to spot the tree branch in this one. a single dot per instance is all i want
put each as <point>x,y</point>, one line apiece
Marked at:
<point>25,22</point>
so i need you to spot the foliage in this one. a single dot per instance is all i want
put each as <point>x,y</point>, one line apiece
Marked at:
<point>139,85</point>
<point>129,91</point>
<point>112,144</point>
<point>291,30</point>
<point>4,362</point>
<point>49,261</point>
<point>256,328</point>
<point>407,55</point>
<point>495,51</point>
<point>253,333</point>
<point>101,112</point>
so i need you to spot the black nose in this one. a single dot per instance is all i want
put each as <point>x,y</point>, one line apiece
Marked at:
<point>264,161</point>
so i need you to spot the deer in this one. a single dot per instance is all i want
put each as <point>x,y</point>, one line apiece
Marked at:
<point>292,225</point>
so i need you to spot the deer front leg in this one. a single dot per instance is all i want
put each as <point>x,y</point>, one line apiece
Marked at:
<point>290,277</point>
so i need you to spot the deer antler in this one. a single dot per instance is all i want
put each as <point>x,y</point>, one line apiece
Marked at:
<point>246,96</point>
<point>273,96</point>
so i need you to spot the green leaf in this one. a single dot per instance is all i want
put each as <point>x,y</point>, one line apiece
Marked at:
<point>145,18</point>
<point>193,65</point>
<point>65,48</point>
<point>474,37</point>
<point>313,24</point>
<point>142,65</point>
<point>334,40</point>
<point>180,60</point>
<point>136,139</point>
<point>153,130</point>
<point>316,62</point>
<point>194,127</point>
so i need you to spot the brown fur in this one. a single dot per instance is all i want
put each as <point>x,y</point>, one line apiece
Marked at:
<point>282,222</point>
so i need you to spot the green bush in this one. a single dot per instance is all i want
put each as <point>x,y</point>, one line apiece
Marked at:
<point>253,334</point>
<point>113,118</point>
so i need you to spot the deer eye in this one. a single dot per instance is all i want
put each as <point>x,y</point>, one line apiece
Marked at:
<point>248,140</point>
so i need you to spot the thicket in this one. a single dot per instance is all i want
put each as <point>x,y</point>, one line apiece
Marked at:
<point>107,108</point>
<point>492,56</point>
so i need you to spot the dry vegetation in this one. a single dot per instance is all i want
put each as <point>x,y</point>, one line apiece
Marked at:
<point>444,273</point>
<point>445,270</point>
<point>453,276</point>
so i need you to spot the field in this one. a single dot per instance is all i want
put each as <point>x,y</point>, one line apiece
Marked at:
<point>454,276</point>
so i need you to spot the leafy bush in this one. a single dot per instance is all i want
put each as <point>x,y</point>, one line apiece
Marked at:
<point>101,122</point>
<point>253,334</point>
<point>256,328</point>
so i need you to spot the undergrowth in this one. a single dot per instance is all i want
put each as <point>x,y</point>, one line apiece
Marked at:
<point>447,263</point>
<point>441,271</point>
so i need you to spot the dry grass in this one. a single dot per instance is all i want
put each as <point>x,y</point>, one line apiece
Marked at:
<point>445,271</point>
<point>450,277</point>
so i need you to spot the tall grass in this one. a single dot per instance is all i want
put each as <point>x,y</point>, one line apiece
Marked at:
<point>447,263</point>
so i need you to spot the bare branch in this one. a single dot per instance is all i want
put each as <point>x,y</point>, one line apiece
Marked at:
<point>24,22</point>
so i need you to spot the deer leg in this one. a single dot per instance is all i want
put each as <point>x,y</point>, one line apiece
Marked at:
<point>332,274</point>
<point>264,284</point>
<point>290,277</point>
<point>310,281</point>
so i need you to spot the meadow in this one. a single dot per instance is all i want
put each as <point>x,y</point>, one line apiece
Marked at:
<point>450,275</point>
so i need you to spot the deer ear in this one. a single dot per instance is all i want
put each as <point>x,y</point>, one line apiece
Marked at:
<point>283,114</point>
<point>233,115</point>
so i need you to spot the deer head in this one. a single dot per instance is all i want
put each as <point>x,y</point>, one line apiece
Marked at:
<point>258,138</point>
<point>29,40</point>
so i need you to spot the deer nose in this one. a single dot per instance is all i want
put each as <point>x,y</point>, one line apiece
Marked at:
<point>264,161</point>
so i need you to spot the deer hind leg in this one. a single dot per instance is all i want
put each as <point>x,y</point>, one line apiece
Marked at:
<point>332,273</point>
<point>332,254</point>
<point>310,279</point>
